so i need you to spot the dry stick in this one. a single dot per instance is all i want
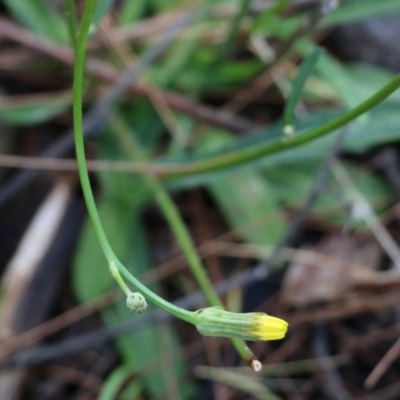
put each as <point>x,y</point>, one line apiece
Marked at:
<point>365,211</point>
<point>45,329</point>
<point>55,164</point>
<point>140,31</point>
<point>383,365</point>
<point>334,386</point>
<point>389,392</point>
<point>370,339</point>
<point>351,307</point>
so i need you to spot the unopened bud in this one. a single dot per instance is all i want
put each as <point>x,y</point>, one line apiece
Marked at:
<point>136,302</point>
<point>215,321</point>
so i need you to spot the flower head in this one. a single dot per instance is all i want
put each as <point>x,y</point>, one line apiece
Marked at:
<point>215,321</point>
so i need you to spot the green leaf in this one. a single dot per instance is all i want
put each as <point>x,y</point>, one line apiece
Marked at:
<point>34,110</point>
<point>369,79</point>
<point>102,9</point>
<point>183,51</point>
<point>165,5</point>
<point>356,10</point>
<point>298,84</point>
<point>91,276</point>
<point>247,201</point>
<point>114,382</point>
<point>250,385</point>
<point>120,209</point>
<point>131,11</point>
<point>334,74</point>
<point>40,17</point>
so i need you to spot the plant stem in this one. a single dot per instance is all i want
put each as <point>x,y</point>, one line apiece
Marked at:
<point>254,152</point>
<point>243,7</point>
<point>117,269</point>
<point>131,145</point>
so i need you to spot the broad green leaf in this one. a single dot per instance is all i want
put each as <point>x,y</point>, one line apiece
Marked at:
<point>143,351</point>
<point>247,201</point>
<point>91,278</point>
<point>91,275</point>
<point>369,79</point>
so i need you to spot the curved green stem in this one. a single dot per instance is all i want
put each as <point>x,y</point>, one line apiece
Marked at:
<point>117,268</point>
<point>134,149</point>
<point>243,7</point>
<point>131,145</point>
<point>254,152</point>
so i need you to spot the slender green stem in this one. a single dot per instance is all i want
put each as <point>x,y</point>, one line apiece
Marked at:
<point>254,152</point>
<point>168,170</point>
<point>171,213</point>
<point>298,84</point>
<point>243,7</point>
<point>116,267</point>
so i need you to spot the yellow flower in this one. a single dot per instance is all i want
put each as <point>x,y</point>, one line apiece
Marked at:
<point>215,321</point>
<point>269,328</point>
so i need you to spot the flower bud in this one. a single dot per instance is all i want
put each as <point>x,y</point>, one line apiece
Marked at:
<point>215,321</point>
<point>136,302</point>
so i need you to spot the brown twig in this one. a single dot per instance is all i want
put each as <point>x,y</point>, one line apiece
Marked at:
<point>388,359</point>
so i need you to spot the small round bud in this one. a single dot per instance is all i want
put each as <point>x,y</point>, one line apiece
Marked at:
<point>136,302</point>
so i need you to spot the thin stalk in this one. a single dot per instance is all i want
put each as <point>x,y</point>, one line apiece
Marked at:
<point>252,153</point>
<point>244,6</point>
<point>116,267</point>
<point>131,145</point>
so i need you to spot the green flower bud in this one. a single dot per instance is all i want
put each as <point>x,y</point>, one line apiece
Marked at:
<point>215,321</point>
<point>136,302</point>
